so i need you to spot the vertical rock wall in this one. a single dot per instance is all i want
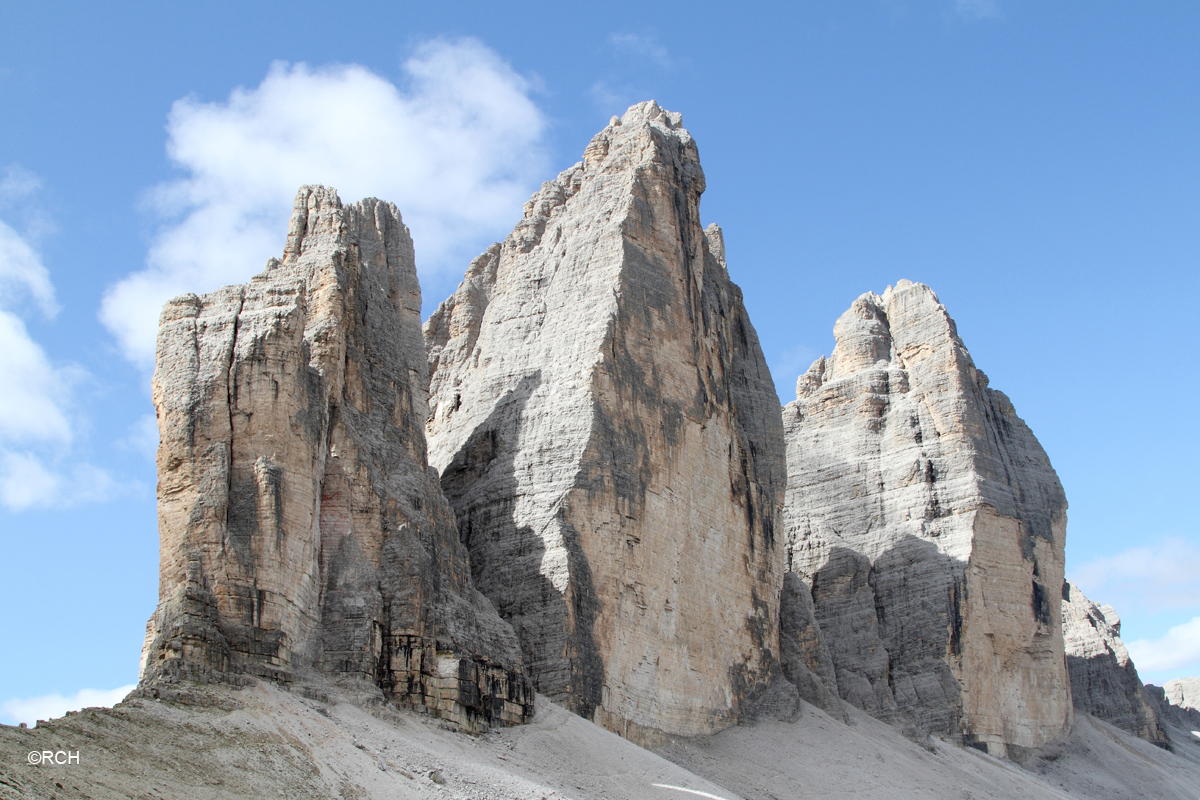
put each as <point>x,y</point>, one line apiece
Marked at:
<point>609,437</point>
<point>301,527</point>
<point>1177,707</point>
<point>929,526</point>
<point>1104,681</point>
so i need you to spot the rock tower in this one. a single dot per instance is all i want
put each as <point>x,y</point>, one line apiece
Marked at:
<point>928,525</point>
<point>609,437</point>
<point>1104,681</point>
<point>301,526</point>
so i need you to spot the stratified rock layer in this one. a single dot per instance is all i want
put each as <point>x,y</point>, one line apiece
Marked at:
<point>1104,681</point>
<point>929,526</point>
<point>301,527</point>
<point>609,436</point>
<point>1177,703</point>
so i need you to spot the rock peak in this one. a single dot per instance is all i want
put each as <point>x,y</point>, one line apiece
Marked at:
<point>606,430</point>
<point>929,526</point>
<point>301,528</point>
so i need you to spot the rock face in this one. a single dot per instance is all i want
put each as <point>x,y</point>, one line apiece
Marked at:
<point>1104,681</point>
<point>609,437</point>
<point>301,526</point>
<point>1183,693</point>
<point>803,655</point>
<point>928,525</point>
<point>1177,703</point>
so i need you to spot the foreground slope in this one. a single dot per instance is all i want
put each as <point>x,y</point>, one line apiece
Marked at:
<point>609,437</point>
<point>316,742</point>
<point>928,525</point>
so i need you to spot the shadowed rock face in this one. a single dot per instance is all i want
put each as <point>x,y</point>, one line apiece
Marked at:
<point>301,527</point>
<point>1177,703</point>
<point>929,527</point>
<point>1104,681</point>
<point>609,437</point>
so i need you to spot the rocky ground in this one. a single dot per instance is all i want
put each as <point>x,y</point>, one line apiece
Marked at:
<point>322,742</point>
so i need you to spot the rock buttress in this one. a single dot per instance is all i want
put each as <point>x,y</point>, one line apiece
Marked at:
<point>1104,681</point>
<point>608,435</point>
<point>929,526</point>
<point>301,526</point>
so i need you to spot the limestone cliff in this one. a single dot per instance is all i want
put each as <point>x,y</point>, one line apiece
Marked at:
<point>1177,704</point>
<point>301,526</point>
<point>1183,693</point>
<point>928,525</point>
<point>609,436</point>
<point>1104,681</point>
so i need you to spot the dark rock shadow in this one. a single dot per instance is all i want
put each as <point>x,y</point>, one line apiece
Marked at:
<point>555,629</point>
<point>889,628</point>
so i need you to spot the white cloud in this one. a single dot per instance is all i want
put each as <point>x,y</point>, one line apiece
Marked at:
<point>1176,652</point>
<point>977,9</point>
<point>458,149</point>
<point>17,184</point>
<point>22,273</point>
<point>1154,577</point>
<point>29,710</point>
<point>32,480</point>
<point>36,430</point>
<point>32,405</point>
<point>23,276</point>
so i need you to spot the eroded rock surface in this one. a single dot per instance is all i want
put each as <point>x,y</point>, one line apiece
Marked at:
<point>1104,681</point>
<point>1184,693</point>
<point>928,525</point>
<point>301,526</point>
<point>609,437</point>
<point>1177,704</point>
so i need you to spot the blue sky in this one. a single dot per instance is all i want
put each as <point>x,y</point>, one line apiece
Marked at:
<point>1037,164</point>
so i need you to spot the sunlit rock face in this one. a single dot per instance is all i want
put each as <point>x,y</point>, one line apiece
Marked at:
<point>301,526</point>
<point>1104,681</point>
<point>928,525</point>
<point>609,436</point>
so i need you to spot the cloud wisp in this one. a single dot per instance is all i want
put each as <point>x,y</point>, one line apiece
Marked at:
<point>22,273</point>
<point>458,148</point>
<point>977,9</point>
<point>31,709</point>
<point>36,422</point>
<point>1174,654</point>
<point>636,59</point>
<point>1143,582</point>
<point>1164,575</point>
<point>644,46</point>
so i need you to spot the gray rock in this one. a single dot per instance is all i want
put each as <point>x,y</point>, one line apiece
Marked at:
<point>301,527</point>
<point>1183,693</point>
<point>929,527</point>
<point>802,651</point>
<point>609,436</point>
<point>1176,706</point>
<point>1104,681</point>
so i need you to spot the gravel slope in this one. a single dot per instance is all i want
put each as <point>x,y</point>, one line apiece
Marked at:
<point>321,742</point>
